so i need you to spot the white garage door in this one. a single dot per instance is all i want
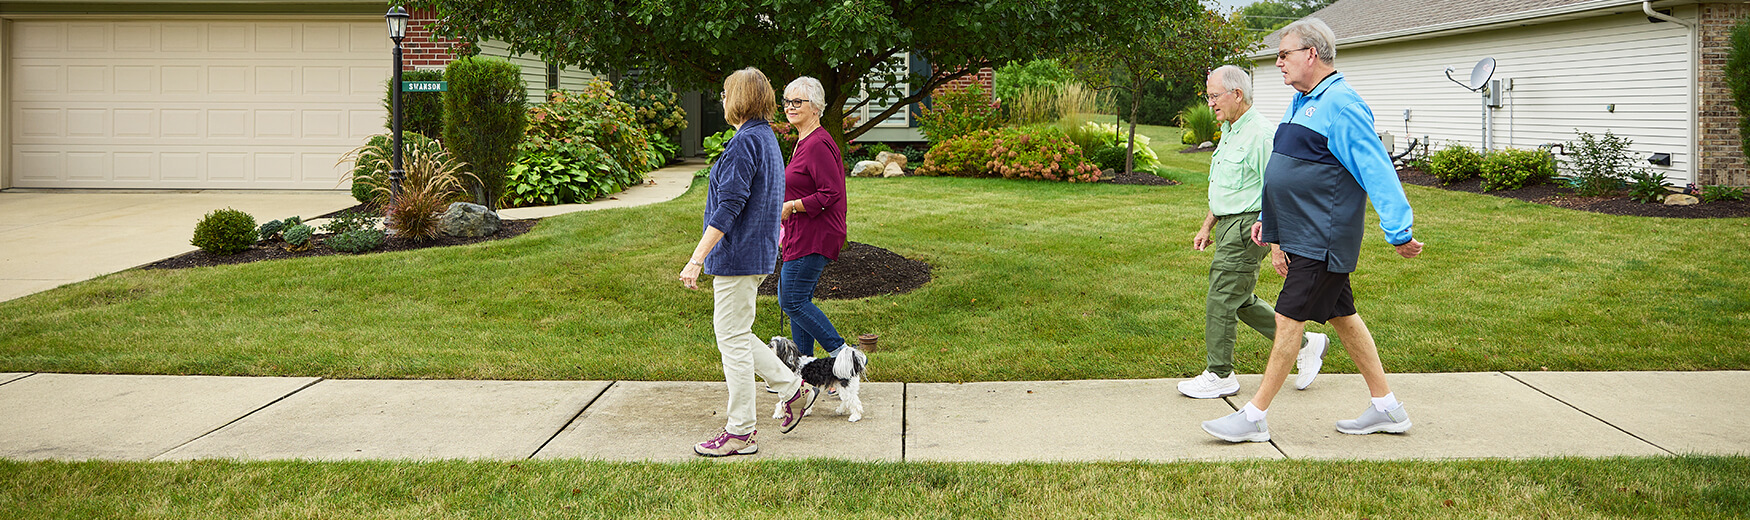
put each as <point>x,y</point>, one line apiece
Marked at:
<point>192,103</point>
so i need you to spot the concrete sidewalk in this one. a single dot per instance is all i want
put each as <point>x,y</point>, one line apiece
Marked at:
<point>58,237</point>
<point>1461,415</point>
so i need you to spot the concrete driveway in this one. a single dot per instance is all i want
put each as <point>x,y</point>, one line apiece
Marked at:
<point>50,238</point>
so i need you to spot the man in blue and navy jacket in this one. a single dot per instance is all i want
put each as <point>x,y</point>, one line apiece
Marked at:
<point>1326,164</point>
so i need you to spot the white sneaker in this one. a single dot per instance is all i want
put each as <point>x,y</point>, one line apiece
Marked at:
<point>1207,386</point>
<point>1310,360</point>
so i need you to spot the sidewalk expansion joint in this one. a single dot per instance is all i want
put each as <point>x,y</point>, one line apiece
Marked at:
<point>1589,414</point>
<point>239,418</point>
<point>20,378</point>
<point>1230,404</point>
<point>903,391</point>
<point>573,420</point>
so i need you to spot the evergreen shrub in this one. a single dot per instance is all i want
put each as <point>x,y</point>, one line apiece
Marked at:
<point>225,232</point>
<point>484,119</point>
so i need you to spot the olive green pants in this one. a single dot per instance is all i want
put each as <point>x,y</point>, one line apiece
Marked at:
<point>1233,275</point>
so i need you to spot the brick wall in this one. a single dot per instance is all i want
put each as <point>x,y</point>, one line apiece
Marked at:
<point>983,77</point>
<point>421,49</point>
<point>1721,150</point>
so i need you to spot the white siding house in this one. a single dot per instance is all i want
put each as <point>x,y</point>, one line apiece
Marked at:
<point>536,72</point>
<point>1586,65</point>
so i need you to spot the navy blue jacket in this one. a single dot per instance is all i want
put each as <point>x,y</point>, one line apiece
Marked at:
<point>1326,165</point>
<point>744,202</point>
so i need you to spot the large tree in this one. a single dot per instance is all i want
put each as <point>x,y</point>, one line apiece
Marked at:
<point>694,44</point>
<point>1269,15</point>
<point>1178,47</point>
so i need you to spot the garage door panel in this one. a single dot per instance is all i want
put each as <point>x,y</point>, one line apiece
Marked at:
<point>190,103</point>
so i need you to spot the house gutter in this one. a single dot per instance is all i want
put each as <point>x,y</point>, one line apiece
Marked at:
<point>1647,7</point>
<point>1477,24</point>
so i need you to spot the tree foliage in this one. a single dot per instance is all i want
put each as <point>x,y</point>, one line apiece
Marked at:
<point>694,44</point>
<point>1738,79</point>
<point>1266,16</point>
<point>1177,45</point>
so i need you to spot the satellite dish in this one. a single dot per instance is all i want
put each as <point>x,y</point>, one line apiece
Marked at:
<point>1479,75</point>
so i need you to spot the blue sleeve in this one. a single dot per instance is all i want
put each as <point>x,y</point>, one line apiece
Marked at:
<point>733,179</point>
<point>1365,157</point>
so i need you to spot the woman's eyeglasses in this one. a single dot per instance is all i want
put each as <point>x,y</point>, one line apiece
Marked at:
<point>794,103</point>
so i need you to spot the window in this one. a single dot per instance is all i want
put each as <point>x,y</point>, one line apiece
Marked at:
<point>900,67</point>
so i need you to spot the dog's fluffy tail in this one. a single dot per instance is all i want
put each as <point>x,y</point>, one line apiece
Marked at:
<point>849,362</point>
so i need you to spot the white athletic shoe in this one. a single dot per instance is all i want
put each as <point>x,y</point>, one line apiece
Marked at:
<point>1310,360</point>
<point>1207,386</point>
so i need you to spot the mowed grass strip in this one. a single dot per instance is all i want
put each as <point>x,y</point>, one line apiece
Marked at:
<point>1665,487</point>
<point>1033,281</point>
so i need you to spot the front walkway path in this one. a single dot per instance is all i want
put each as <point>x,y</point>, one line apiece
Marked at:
<point>1460,415</point>
<point>57,237</point>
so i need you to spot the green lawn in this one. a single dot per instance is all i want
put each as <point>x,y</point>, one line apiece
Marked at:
<point>1685,487</point>
<point>1033,281</point>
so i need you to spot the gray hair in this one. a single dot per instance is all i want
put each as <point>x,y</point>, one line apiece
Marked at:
<point>1234,78</point>
<point>810,88</point>
<point>1312,32</point>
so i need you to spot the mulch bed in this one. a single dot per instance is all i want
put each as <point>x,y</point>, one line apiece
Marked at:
<point>861,271</point>
<point>276,250</point>
<point>1196,149</point>
<point>1564,197</point>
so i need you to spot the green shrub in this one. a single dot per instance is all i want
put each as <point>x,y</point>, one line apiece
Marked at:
<point>349,221</point>
<point>913,155</point>
<point>965,156</point>
<point>655,108</point>
<point>1738,79</point>
<point>1512,169</point>
<point>662,150</point>
<point>1200,120</point>
<point>267,231</point>
<point>1721,193</point>
<point>298,237</point>
<point>421,112</point>
<point>581,145</point>
<point>357,240</point>
<point>713,144</point>
<point>1040,154</point>
<point>954,113</point>
<point>371,163</point>
<point>484,120</point>
<point>1162,100</point>
<point>224,232</point>
<point>1455,163</point>
<point>1648,187</point>
<point>1042,75</point>
<point>1109,158</point>
<point>1092,136</point>
<point>1599,165</point>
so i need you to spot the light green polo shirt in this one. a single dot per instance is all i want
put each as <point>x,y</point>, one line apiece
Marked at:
<point>1236,171</point>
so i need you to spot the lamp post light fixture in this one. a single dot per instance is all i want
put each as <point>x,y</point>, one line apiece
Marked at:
<point>397,18</point>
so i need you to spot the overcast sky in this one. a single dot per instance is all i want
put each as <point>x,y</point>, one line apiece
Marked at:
<point>1230,5</point>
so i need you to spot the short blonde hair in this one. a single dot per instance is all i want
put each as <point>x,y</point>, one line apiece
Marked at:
<point>747,95</point>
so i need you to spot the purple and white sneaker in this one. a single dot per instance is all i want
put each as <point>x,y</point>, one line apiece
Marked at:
<point>725,444</point>
<point>796,405</point>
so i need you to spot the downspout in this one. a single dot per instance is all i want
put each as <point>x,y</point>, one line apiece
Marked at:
<point>1694,79</point>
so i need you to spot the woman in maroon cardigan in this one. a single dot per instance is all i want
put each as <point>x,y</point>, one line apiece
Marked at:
<point>814,217</point>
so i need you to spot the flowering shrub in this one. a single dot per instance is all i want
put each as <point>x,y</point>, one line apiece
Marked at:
<point>1011,153</point>
<point>1040,154</point>
<point>964,156</point>
<point>659,112</point>
<point>955,113</point>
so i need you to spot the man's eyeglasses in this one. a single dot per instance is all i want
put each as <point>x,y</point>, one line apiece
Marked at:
<point>1216,95</point>
<point>1283,55</point>
<point>794,103</point>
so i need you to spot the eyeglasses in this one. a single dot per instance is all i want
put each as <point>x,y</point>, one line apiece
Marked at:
<point>1216,95</point>
<point>1283,55</point>
<point>794,103</point>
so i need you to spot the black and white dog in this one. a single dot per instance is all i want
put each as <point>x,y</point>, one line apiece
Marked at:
<point>843,372</point>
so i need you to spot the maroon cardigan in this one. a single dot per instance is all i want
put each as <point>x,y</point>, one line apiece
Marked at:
<point>816,175</point>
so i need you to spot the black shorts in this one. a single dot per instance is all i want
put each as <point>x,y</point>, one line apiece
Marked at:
<point>1310,293</point>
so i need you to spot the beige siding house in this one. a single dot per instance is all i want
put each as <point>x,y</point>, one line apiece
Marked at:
<point>1564,64</point>
<point>199,94</point>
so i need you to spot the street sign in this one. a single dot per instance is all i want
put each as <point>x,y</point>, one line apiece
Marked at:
<point>425,86</point>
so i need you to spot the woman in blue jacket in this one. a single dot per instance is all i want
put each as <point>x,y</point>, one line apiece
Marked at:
<point>739,248</point>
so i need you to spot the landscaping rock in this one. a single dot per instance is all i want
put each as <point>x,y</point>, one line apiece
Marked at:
<point>1206,144</point>
<point>1679,199</point>
<point>893,170</point>
<point>464,219</point>
<point>867,169</point>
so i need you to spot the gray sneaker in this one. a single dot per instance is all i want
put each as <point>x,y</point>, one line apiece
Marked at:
<point>1395,420</point>
<point>1310,359</point>
<point>1235,428</point>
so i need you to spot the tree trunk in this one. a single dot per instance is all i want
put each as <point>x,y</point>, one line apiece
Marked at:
<point>1130,145</point>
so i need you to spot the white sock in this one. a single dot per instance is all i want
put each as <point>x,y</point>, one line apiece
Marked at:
<point>1385,403</point>
<point>1253,413</point>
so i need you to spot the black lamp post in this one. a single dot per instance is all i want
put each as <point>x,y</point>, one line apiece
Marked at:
<point>397,18</point>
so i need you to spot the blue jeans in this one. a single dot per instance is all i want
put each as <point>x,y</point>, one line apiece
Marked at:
<point>796,283</point>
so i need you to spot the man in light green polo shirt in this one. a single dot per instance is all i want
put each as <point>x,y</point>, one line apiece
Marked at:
<point>1236,191</point>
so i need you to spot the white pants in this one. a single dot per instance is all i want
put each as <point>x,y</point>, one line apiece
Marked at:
<point>743,353</point>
